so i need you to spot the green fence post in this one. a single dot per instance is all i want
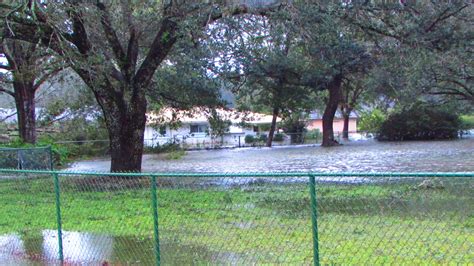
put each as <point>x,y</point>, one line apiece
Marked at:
<point>58,216</point>
<point>314,219</point>
<point>51,158</point>
<point>154,202</point>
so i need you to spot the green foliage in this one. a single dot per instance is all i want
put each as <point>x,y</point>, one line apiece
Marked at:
<point>219,125</point>
<point>420,122</point>
<point>175,154</point>
<point>313,134</point>
<point>264,127</point>
<point>82,138</point>
<point>60,153</point>
<point>294,125</point>
<point>279,137</point>
<point>467,122</point>
<point>262,138</point>
<point>249,139</point>
<point>273,65</point>
<point>72,139</point>
<point>3,128</point>
<point>371,121</point>
<point>165,148</point>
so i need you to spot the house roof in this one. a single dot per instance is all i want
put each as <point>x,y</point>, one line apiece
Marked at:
<point>316,115</point>
<point>201,115</point>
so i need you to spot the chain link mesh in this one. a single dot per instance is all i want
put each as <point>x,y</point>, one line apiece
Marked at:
<point>237,218</point>
<point>26,158</point>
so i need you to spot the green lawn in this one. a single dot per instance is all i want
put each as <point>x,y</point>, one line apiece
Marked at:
<point>265,224</point>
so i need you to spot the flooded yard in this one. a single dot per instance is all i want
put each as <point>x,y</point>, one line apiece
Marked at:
<point>250,220</point>
<point>360,156</point>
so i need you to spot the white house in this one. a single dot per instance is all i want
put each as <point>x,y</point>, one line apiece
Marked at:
<point>192,127</point>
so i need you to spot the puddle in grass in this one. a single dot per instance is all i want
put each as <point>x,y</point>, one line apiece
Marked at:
<point>98,249</point>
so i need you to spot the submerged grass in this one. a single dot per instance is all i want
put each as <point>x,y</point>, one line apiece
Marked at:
<point>261,223</point>
<point>175,154</point>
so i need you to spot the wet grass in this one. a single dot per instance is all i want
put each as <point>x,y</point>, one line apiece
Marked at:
<point>175,155</point>
<point>261,223</point>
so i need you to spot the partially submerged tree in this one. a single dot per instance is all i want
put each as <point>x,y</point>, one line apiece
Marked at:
<point>335,51</point>
<point>352,89</point>
<point>267,64</point>
<point>219,125</point>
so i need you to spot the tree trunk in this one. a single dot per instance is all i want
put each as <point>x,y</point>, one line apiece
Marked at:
<point>345,131</point>
<point>334,88</point>
<point>126,134</point>
<point>25,106</point>
<point>271,133</point>
<point>126,128</point>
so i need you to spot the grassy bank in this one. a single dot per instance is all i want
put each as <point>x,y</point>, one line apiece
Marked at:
<point>261,223</point>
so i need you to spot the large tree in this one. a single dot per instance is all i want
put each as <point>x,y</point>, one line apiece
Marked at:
<point>116,47</point>
<point>335,49</point>
<point>266,63</point>
<point>352,89</point>
<point>28,67</point>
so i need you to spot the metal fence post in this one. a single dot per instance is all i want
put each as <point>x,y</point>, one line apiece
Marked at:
<point>314,219</point>
<point>58,216</point>
<point>18,160</point>
<point>51,158</point>
<point>154,202</point>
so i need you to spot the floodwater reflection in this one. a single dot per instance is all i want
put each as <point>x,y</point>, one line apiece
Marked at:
<point>82,248</point>
<point>41,249</point>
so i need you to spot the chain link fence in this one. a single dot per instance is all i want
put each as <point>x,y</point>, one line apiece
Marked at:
<point>26,158</point>
<point>241,218</point>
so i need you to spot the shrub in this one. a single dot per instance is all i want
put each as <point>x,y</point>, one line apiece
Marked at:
<point>263,138</point>
<point>467,122</point>
<point>60,153</point>
<point>313,134</point>
<point>420,122</point>
<point>165,148</point>
<point>371,121</point>
<point>278,137</point>
<point>249,139</point>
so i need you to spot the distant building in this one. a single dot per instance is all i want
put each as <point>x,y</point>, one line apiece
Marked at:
<point>315,121</point>
<point>194,129</point>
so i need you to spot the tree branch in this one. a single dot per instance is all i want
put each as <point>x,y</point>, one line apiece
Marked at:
<point>443,16</point>
<point>161,46</point>
<point>79,36</point>
<point>45,77</point>
<point>111,35</point>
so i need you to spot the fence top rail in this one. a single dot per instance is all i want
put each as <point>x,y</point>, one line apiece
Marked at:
<point>245,174</point>
<point>24,149</point>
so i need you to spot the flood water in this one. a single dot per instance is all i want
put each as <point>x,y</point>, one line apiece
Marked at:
<point>97,249</point>
<point>357,156</point>
<point>362,156</point>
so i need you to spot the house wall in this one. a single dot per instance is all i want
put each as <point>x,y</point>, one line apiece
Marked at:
<point>338,124</point>
<point>184,135</point>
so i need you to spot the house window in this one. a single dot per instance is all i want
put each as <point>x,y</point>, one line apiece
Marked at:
<point>163,130</point>
<point>198,129</point>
